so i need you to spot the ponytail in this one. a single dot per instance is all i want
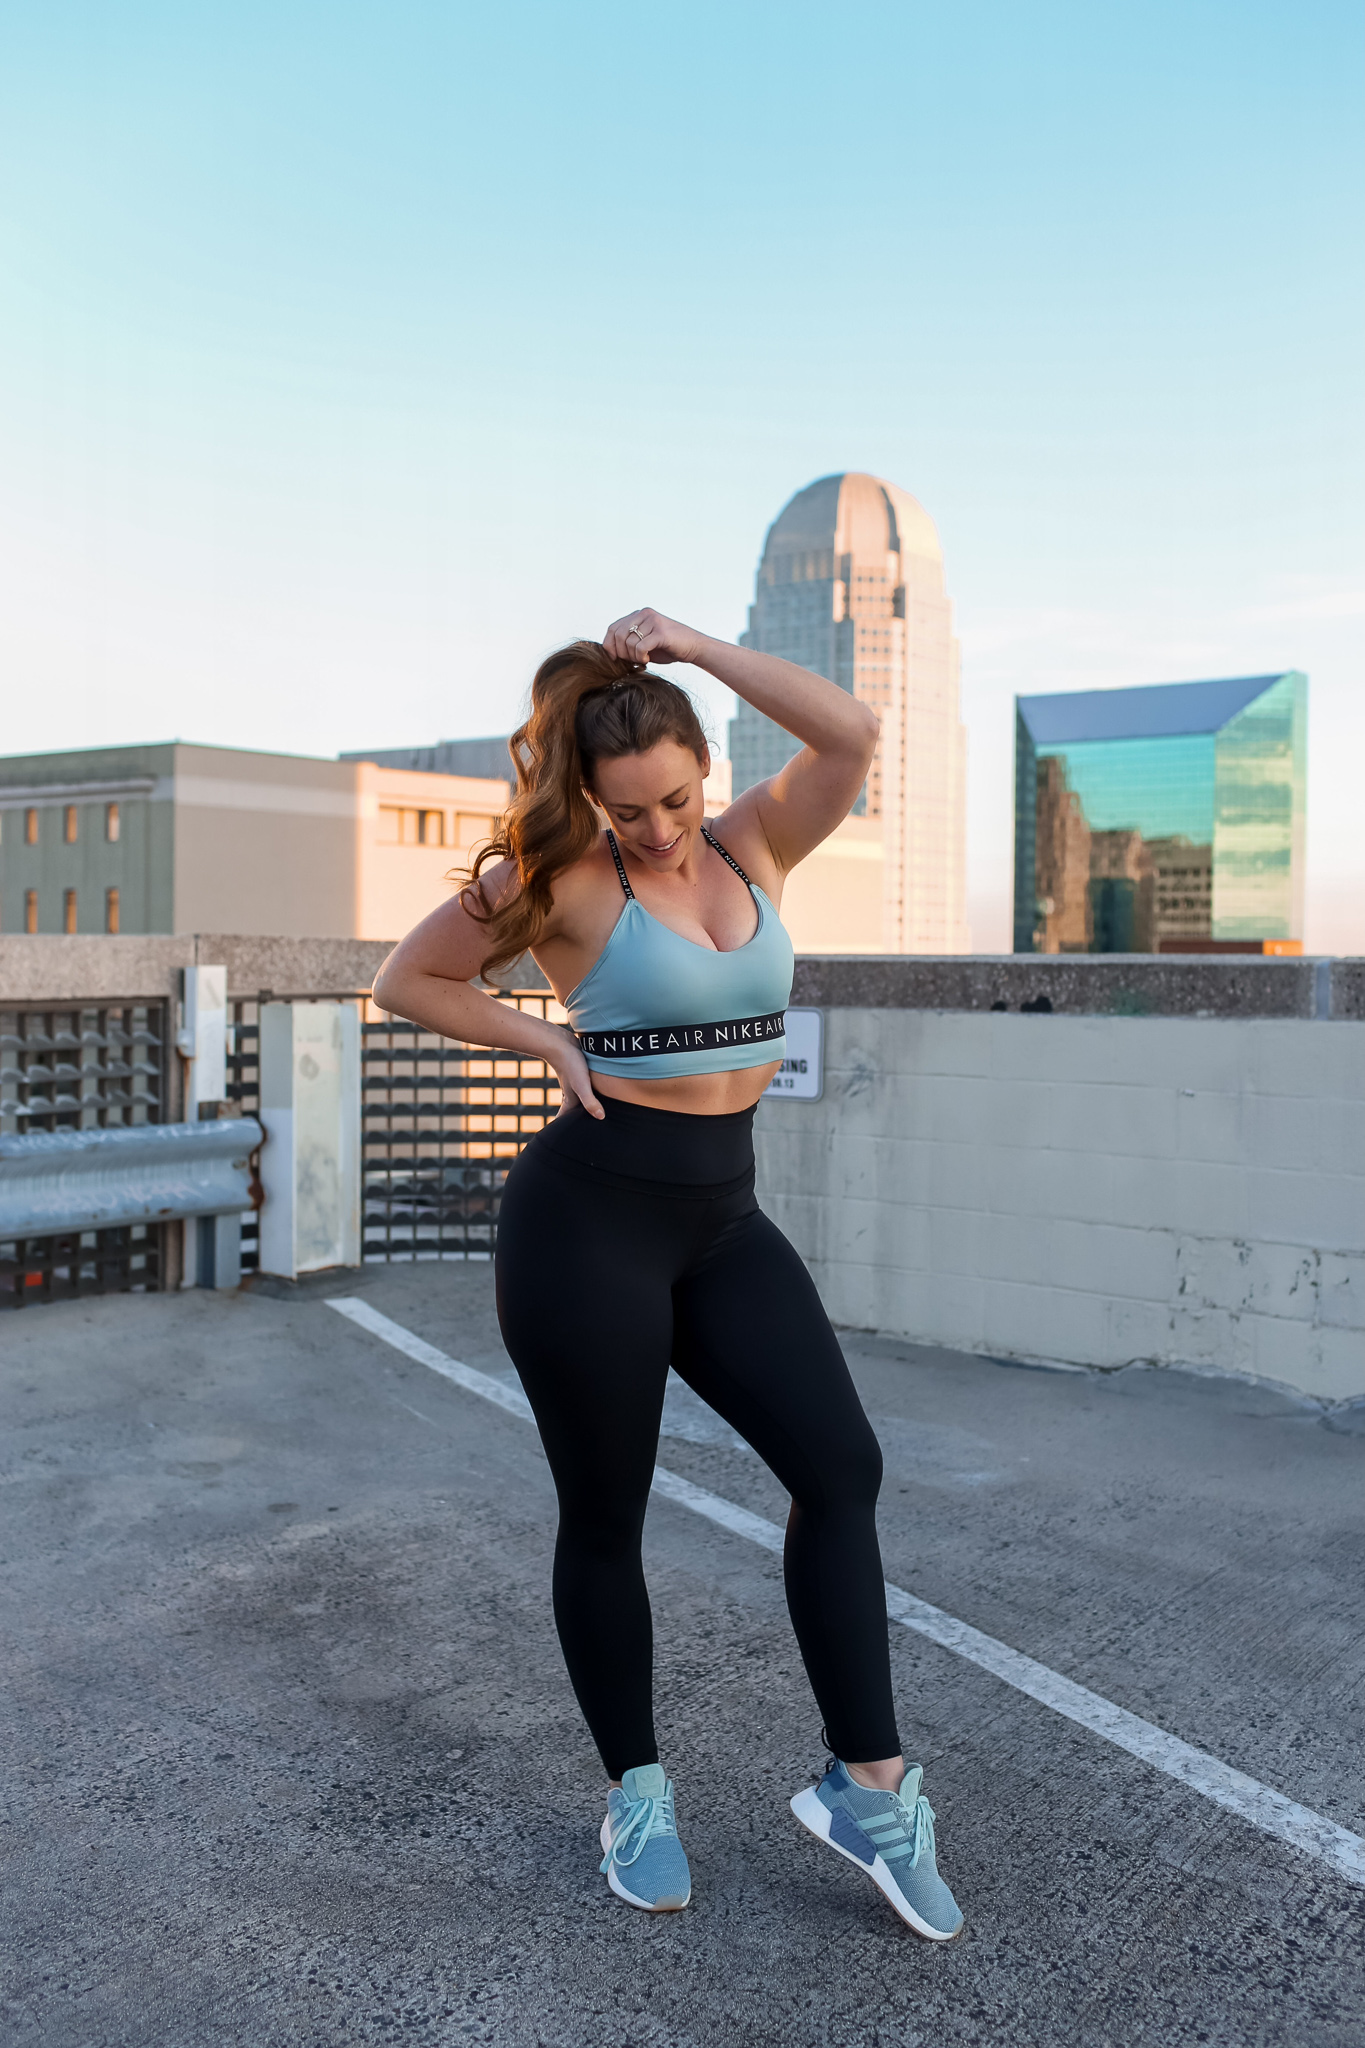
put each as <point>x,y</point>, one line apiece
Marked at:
<point>586,706</point>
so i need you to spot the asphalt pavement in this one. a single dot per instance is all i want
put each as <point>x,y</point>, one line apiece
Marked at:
<point>291,1758</point>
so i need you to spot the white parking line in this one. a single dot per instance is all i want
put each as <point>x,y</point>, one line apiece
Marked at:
<point>1265,1809</point>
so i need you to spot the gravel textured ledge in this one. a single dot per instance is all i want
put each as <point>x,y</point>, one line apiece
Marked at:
<point>1079,985</point>
<point>96,969</point>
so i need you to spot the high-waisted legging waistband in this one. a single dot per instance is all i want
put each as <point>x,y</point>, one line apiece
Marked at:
<point>664,1148</point>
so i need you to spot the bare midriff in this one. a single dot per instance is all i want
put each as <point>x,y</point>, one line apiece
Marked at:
<point>692,1094</point>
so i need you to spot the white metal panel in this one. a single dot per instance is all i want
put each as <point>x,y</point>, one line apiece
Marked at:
<point>310,1166</point>
<point>205,1036</point>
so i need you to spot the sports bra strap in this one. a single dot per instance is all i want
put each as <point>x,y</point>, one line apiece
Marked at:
<point>711,840</point>
<point>620,864</point>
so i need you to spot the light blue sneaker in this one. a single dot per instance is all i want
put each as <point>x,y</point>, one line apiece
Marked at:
<point>890,1835</point>
<point>644,1862</point>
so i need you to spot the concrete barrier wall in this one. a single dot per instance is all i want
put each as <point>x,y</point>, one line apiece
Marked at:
<point>1092,1190</point>
<point>93,969</point>
<point>1170,1166</point>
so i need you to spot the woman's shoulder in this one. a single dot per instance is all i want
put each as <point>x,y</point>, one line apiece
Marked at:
<point>587,870</point>
<point>501,878</point>
<point>739,829</point>
<point>495,884</point>
<point>578,891</point>
<point>581,915</point>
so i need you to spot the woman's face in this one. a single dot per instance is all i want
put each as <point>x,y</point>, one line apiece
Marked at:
<point>654,801</point>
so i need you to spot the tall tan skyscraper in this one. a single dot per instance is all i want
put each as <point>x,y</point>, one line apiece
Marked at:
<point>851,585</point>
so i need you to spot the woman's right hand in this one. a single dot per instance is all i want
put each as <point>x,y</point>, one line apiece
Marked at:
<point>646,635</point>
<point>575,1076</point>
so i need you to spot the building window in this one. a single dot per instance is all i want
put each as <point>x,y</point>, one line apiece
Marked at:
<point>111,910</point>
<point>69,910</point>
<point>72,824</point>
<point>31,828</point>
<point>30,908</point>
<point>471,830</point>
<point>401,826</point>
<point>111,826</point>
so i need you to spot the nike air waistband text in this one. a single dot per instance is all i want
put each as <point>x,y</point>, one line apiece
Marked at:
<point>642,1044</point>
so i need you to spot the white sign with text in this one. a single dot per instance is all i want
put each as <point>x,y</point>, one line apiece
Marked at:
<point>801,1076</point>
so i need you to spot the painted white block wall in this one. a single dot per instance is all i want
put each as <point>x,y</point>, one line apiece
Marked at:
<point>202,1040</point>
<point>1090,1190</point>
<point>310,1162</point>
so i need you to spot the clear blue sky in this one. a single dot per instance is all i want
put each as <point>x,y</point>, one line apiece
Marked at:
<point>354,355</point>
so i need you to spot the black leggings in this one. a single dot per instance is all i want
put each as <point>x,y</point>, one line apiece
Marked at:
<point>633,1243</point>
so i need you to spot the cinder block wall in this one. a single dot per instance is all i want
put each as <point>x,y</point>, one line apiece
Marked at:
<point>1093,1190</point>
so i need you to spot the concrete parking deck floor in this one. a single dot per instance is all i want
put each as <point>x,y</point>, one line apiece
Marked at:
<point>293,1759</point>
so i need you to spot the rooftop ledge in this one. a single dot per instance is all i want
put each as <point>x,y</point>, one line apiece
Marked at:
<point>54,969</point>
<point>1089,984</point>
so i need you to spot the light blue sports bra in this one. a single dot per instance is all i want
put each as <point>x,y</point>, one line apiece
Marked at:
<point>655,1003</point>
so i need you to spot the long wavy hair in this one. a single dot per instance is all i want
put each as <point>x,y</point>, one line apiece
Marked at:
<point>586,707</point>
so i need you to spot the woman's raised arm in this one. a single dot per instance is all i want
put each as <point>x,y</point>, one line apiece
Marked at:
<point>428,979</point>
<point>800,805</point>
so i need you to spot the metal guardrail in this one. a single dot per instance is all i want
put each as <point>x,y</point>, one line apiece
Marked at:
<point>64,1184</point>
<point>95,1180</point>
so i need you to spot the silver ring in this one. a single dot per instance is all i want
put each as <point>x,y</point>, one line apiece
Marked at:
<point>635,634</point>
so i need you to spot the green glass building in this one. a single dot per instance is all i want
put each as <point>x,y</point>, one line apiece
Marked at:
<point>1165,819</point>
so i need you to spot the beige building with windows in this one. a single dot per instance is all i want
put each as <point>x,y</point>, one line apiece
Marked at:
<point>851,584</point>
<point>180,838</point>
<point>832,902</point>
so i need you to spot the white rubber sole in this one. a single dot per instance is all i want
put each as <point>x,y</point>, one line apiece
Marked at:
<point>665,1906</point>
<point>815,1815</point>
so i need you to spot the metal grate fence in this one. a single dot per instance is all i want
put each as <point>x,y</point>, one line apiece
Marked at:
<point>60,1268</point>
<point>92,1067</point>
<point>82,1069</point>
<point>440,1125</point>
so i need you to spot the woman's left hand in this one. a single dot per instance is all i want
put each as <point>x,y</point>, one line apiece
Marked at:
<point>646,635</point>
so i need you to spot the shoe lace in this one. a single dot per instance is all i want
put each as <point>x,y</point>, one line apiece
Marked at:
<point>918,1825</point>
<point>645,1819</point>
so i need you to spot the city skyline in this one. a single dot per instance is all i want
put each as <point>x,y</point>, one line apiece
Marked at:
<point>326,409</point>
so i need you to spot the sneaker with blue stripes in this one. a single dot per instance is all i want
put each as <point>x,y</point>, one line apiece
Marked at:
<point>644,1861</point>
<point>890,1835</point>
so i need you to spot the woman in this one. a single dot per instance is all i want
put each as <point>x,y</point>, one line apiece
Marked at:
<point>629,1236</point>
